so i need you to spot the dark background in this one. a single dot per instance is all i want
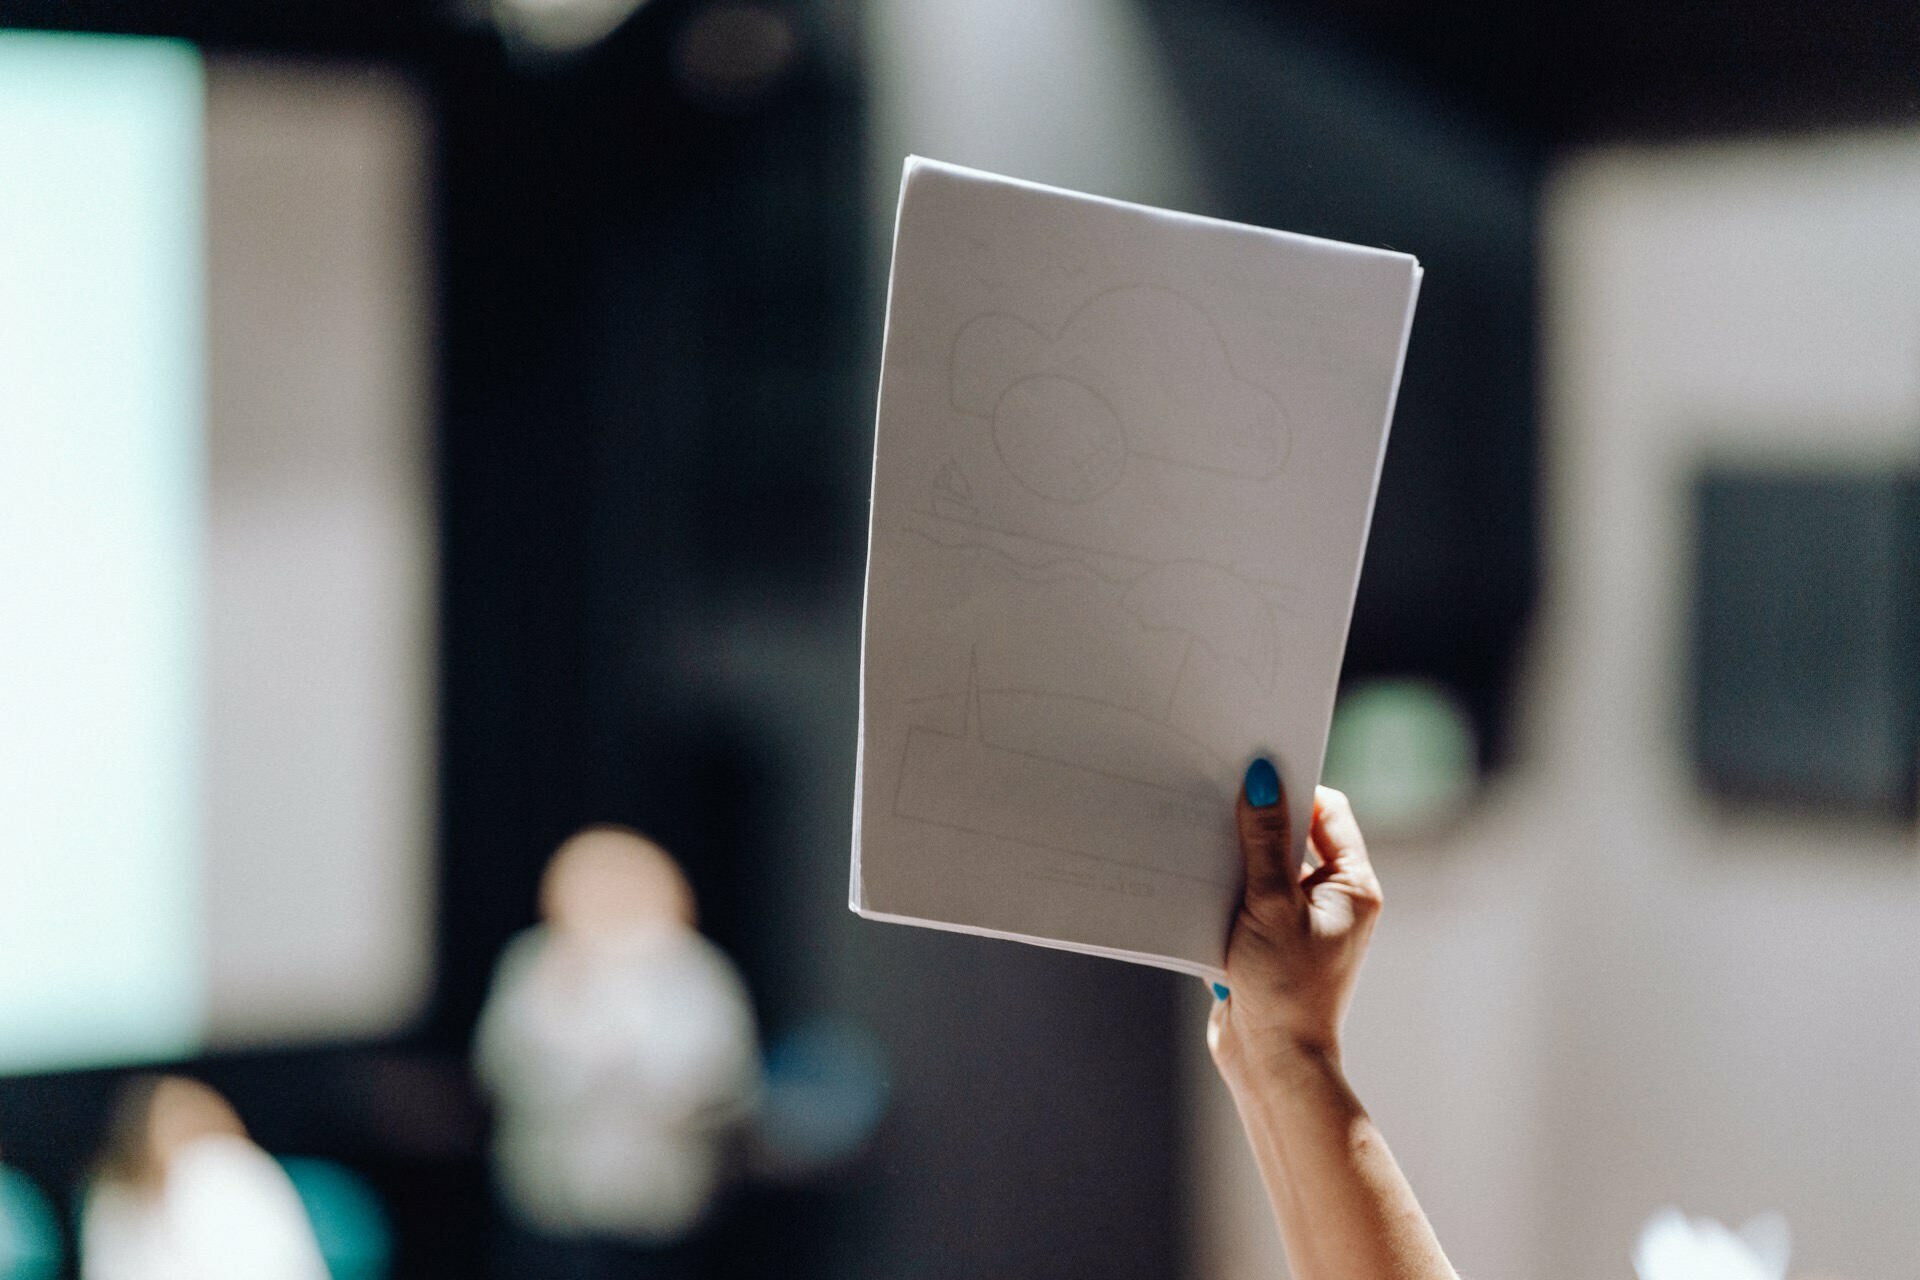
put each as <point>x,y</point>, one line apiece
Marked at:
<point>656,344</point>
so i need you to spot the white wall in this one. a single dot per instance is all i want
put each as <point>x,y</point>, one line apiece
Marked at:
<point>1738,1026</point>
<point>1599,997</point>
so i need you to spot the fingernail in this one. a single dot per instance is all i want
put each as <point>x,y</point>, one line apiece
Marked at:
<point>1219,992</point>
<point>1263,784</point>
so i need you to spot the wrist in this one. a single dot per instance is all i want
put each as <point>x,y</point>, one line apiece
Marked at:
<point>1292,1093</point>
<point>1281,1058</point>
<point>1298,1058</point>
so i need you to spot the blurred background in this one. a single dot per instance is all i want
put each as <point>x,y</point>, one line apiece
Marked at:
<point>428,427</point>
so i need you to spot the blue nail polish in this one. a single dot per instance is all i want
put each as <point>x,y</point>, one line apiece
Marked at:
<point>1263,784</point>
<point>1219,992</point>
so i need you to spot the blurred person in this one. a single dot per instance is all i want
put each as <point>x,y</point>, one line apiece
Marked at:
<point>1344,1208</point>
<point>182,1193</point>
<point>619,1048</point>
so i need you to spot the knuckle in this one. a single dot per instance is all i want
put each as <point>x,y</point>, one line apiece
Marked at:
<point>1332,807</point>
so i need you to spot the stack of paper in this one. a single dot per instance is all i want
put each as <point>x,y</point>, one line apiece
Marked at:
<point>1123,473</point>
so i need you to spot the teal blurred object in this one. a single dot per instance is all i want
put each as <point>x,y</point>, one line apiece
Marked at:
<point>30,1244</point>
<point>1404,752</point>
<point>827,1090</point>
<point>348,1220</point>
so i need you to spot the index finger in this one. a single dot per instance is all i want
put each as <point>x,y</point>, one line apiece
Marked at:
<point>1335,835</point>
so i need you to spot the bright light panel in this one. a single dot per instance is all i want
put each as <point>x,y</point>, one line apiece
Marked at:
<point>101,471</point>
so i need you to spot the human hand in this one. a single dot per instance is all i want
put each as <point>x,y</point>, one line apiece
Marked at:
<point>1300,934</point>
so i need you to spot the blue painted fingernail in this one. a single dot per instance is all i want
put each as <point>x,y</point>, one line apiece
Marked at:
<point>1219,992</point>
<point>1263,784</point>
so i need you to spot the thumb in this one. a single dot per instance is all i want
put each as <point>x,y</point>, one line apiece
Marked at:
<point>1266,834</point>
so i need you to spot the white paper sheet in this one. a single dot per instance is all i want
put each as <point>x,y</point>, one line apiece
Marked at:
<point>1123,473</point>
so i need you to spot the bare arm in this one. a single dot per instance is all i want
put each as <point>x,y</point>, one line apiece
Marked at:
<point>1344,1208</point>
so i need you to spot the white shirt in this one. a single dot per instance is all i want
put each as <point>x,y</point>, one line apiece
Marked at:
<point>227,1211</point>
<point>620,1069</point>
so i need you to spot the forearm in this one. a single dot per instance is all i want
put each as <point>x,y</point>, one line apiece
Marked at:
<point>1345,1210</point>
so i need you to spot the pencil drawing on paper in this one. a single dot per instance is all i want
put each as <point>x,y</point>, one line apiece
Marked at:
<point>1136,372</point>
<point>980,777</point>
<point>1124,461</point>
<point>1137,378</point>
